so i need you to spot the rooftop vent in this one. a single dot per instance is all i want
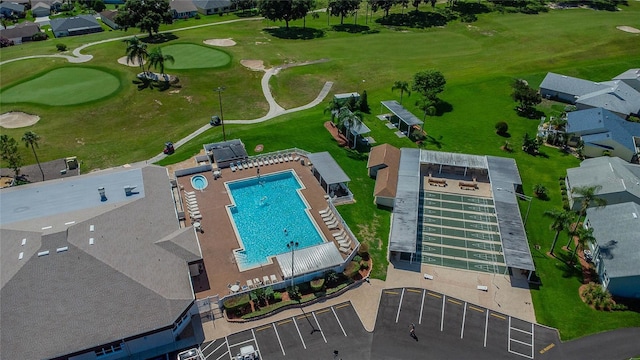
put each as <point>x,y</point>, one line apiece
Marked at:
<point>90,241</point>
<point>24,241</point>
<point>21,255</point>
<point>62,249</point>
<point>43,253</point>
<point>635,216</point>
<point>91,228</point>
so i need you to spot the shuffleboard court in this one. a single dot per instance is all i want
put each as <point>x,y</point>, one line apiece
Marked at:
<point>460,231</point>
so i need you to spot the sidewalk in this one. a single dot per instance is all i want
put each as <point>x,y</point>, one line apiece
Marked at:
<point>502,296</point>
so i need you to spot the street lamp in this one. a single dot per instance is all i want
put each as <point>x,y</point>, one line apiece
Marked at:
<point>292,245</point>
<point>220,89</point>
<point>523,197</point>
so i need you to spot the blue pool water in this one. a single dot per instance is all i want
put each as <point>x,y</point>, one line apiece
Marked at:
<point>263,209</point>
<point>199,182</point>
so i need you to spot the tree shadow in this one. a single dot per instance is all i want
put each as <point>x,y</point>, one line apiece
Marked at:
<point>567,266</point>
<point>430,140</point>
<point>350,28</point>
<point>443,107</point>
<point>471,8</point>
<point>504,134</point>
<point>530,113</point>
<point>247,13</point>
<point>414,19</point>
<point>295,33</point>
<point>159,38</point>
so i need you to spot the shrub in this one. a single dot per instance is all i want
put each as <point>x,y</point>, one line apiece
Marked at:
<point>336,289</point>
<point>277,296</point>
<point>39,36</point>
<point>357,258</point>
<point>364,266</point>
<point>351,269</point>
<point>4,42</point>
<point>197,17</point>
<point>540,190</point>
<point>468,18</point>
<point>502,128</point>
<point>317,284</point>
<point>236,302</point>
<point>61,47</point>
<point>332,277</point>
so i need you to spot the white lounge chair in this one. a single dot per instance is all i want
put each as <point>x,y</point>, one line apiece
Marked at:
<point>290,157</point>
<point>345,250</point>
<point>339,233</point>
<point>331,222</point>
<point>296,158</point>
<point>250,162</point>
<point>189,193</point>
<point>250,284</point>
<point>328,216</point>
<point>273,279</point>
<point>325,211</point>
<point>193,208</point>
<point>346,243</point>
<point>233,168</point>
<point>257,282</point>
<point>332,226</point>
<point>196,217</point>
<point>340,238</point>
<point>192,203</point>
<point>270,160</point>
<point>260,162</point>
<point>265,280</point>
<point>194,213</point>
<point>285,157</point>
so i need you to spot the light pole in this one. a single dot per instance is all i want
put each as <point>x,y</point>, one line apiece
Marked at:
<point>220,89</point>
<point>292,245</point>
<point>523,197</point>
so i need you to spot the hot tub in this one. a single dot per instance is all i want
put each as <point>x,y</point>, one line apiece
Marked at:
<point>199,182</point>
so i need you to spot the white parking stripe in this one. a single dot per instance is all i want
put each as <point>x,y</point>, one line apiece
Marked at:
<point>532,342</point>
<point>278,336</point>
<point>338,320</point>
<point>226,340</point>
<point>299,334</point>
<point>421,306</point>
<point>522,331</point>
<point>244,342</point>
<point>254,339</point>
<point>399,305</point>
<point>225,353</point>
<point>520,342</point>
<point>319,328</point>
<point>209,344</point>
<point>442,315</point>
<point>486,327</point>
<point>464,317</point>
<point>216,349</point>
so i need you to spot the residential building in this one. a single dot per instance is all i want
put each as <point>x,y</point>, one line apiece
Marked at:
<point>183,9</point>
<point>619,180</point>
<point>108,17</point>
<point>616,251</point>
<point>21,32</point>
<point>97,266</point>
<point>620,96</point>
<point>12,9</point>
<point>605,133</point>
<point>383,166</point>
<point>41,9</point>
<point>631,77</point>
<point>210,7</point>
<point>77,25</point>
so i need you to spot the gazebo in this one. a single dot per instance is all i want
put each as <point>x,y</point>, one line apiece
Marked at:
<point>359,129</point>
<point>330,175</point>
<point>403,115</point>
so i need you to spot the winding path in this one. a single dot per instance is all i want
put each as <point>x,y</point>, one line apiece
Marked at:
<point>275,109</point>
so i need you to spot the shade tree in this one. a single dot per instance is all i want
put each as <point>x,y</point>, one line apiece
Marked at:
<point>30,139</point>
<point>343,8</point>
<point>146,15</point>
<point>429,83</point>
<point>9,152</point>
<point>285,10</point>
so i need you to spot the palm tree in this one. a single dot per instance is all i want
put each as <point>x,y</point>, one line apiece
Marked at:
<point>403,86</point>
<point>585,236</point>
<point>30,139</point>
<point>427,106</point>
<point>157,59</point>
<point>136,51</point>
<point>588,196</point>
<point>561,221</point>
<point>333,108</point>
<point>350,120</point>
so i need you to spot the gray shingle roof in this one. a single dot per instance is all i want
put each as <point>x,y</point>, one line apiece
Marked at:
<point>612,173</point>
<point>12,6</point>
<point>617,96</point>
<point>211,4</point>
<point>76,22</point>
<point>616,231</point>
<point>182,6</point>
<point>570,85</point>
<point>26,29</point>
<point>603,121</point>
<point>133,279</point>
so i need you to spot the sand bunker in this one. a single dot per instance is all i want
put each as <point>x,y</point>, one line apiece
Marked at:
<point>133,62</point>
<point>14,120</point>
<point>628,29</point>
<point>255,65</point>
<point>220,42</point>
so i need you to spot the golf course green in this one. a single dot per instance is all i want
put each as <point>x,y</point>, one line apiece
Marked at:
<point>190,56</point>
<point>68,85</point>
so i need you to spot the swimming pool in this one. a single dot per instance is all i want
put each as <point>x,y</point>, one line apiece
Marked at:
<point>199,182</point>
<point>262,208</point>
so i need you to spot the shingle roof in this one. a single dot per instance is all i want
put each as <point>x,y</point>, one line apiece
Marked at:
<point>384,154</point>
<point>12,6</point>
<point>386,182</point>
<point>182,6</point>
<point>211,4</point>
<point>631,77</point>
<point>76,22</point>
<point>616,231</point>
<point>109,14</point>
<point>570,85</point>
<point>133,279</point>
<point>603,122</point>
<point>41,4</point>
<point>26,29</point>
<point>617,96</point>
<point>612,173</point>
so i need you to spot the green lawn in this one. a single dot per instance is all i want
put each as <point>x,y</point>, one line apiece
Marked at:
<point>54,87</point>
<point>190,56</point>
<point>479,61</point>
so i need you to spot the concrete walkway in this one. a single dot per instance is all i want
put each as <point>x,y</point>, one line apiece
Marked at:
<point>502,296</point>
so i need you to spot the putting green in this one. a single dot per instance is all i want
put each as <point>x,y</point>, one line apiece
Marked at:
<point>64,86</point>
<point>191,56</point>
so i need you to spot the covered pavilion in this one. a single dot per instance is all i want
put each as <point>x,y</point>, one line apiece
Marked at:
<point>405,119</point>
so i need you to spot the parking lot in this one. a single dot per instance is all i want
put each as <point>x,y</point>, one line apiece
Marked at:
<point>445,328</point>
<point>450,328</point>
<point>314,335</point>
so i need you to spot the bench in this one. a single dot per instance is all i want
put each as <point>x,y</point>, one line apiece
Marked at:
<point>438,182</point>
<point>467,185</point>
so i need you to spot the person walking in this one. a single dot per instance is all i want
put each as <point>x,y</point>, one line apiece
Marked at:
<point>412,331</point>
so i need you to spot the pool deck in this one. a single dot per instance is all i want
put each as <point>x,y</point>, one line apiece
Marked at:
<point>218,239</point>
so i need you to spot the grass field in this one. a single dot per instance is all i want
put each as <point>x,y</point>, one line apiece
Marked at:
<point>479,61</point>
<point>54,87</point>
<point>190,56</point>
